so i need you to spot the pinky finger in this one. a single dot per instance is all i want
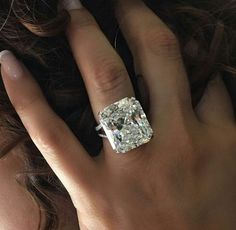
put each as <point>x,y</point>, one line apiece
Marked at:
<point>53,138</point>
<point>216,107</point>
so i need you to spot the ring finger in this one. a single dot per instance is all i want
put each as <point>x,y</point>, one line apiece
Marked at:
<point>157,58</point>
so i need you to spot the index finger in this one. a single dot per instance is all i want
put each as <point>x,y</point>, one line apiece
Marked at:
<point>53,138</point>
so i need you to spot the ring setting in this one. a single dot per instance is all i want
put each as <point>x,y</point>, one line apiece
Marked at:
<point>125,125</point>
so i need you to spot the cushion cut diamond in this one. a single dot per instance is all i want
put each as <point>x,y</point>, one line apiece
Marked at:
<point>126,125</point>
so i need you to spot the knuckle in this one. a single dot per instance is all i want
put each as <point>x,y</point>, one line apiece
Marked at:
<point>53,134</point>
<point>234,135</point>
<point>22,104</point>
<point>185,155</point>
<point>50,139</point>
<point>109,76</point>
<point>161,42</point>
<point>82,20</point>
<point>184,142</point>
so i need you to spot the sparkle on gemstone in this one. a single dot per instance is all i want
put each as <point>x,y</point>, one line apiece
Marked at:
<point>125,125</point>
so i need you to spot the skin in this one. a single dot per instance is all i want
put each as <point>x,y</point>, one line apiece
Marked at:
<point>18,208</point>
<point>16,203</point>
<point>184,178</point>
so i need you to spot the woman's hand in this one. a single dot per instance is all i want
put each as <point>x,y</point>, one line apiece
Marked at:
<point>184,178</point>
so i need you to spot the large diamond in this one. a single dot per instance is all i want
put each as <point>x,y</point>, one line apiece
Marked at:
<point>125,125</point>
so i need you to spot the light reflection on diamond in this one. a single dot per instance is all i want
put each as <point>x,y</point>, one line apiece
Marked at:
<point>126,125</point>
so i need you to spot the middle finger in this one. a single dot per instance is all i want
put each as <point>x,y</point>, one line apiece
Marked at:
<point>103,71</point>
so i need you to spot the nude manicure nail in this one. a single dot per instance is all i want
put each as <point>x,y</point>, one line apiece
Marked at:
<point>11,65</point>
<point>71,4</point>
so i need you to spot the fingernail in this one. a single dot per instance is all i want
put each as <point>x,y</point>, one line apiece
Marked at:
<point>12,67</point>
<point>71,4</point>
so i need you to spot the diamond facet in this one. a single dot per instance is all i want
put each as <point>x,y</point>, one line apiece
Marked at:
<point>126,125</point>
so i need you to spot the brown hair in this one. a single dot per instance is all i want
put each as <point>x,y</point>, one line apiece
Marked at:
<point>33,30</point>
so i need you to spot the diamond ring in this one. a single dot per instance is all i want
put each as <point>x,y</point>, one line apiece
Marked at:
<point>125,125</point>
